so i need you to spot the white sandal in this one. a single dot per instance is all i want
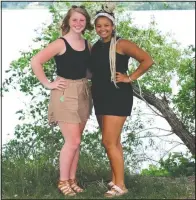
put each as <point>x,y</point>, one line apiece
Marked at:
<point>115,191</point>
<point>110,185</point>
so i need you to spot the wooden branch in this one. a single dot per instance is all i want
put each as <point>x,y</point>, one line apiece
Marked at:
<point>154,128</point>
<point>155,136</point>
<point>162,106</point>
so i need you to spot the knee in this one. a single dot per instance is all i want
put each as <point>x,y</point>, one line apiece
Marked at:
<point>118,144</point>
<point>74,144</point>
<point>108,144</point>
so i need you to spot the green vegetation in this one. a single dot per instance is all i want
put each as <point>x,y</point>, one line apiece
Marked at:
<point>23,5</point>
<point>130,5</point>
<point>176,165</point>
<point>26,178</point>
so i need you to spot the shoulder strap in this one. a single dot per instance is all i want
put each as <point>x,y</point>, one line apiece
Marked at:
<point>66,43</point>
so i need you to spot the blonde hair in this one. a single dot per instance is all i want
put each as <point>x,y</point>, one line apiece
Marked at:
<point>112,50</point>
<point>112,57</point>
<point>107,11</point>
<point>80,9</point>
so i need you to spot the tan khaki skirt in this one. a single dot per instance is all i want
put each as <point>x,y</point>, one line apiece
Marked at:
<point>73,105</point>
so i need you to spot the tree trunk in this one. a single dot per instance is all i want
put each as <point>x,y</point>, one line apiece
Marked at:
<point>177,126</point>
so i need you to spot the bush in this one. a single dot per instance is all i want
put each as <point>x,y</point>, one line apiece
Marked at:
<point>175,165</point>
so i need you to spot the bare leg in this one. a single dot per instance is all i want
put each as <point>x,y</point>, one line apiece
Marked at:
<point>72,137</point>
<point>74,165</point>
<point>112,126</point>
<point>119,146</point>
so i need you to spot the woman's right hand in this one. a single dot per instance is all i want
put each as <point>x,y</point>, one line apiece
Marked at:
<point>58,84</point>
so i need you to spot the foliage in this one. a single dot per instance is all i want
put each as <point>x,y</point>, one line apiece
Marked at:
<point>170,60</point>
<point>153,170</point>
<point>175,165</point>
<point>178,164</point>
<point>187,83</point>
<point>21,5</point>
<point>130,5</point>
<point>37,179</point>
<point>160,5</point>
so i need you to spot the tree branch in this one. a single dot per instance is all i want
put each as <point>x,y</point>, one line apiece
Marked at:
<point>155,136</point>
<point>154,128</point>
<point>180,129</point>
<point>170,150</point>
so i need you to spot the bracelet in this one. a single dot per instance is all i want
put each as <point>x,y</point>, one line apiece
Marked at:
<point>130,79</point>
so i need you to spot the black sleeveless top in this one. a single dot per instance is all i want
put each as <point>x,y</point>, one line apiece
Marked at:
<point>72,64</point>
<point>107,99</point>
<point>100,64</point>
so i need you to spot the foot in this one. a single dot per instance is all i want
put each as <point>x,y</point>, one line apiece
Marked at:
<point>74,186</point>
<point>110,185</point>
<point>65,188</point>
<point>115,191</point>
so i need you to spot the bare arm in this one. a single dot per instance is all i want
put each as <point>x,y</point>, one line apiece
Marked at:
<point>132,50</point>
<point>42,57</point>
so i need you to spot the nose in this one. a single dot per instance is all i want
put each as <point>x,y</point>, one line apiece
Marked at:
<point>102,29</point>
<point>78,22</point>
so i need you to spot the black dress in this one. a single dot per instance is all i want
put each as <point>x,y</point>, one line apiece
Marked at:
<point>107,99</point>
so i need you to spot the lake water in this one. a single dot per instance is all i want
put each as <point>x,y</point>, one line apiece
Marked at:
<point>18,31</point>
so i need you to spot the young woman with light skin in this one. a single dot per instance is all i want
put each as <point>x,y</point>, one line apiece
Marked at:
<point>69,101</point>
<point>113,99</point>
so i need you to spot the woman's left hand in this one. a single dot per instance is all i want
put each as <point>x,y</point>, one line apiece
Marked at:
<point>122,78</point>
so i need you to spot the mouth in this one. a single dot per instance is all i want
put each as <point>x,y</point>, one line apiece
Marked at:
<point>78,28</point>
<point>103,33</point>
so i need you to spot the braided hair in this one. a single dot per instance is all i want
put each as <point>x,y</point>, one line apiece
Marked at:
<point>107,11</point>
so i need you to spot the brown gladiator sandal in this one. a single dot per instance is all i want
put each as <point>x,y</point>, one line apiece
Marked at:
<point>65,188</point>
<point>74,186</point>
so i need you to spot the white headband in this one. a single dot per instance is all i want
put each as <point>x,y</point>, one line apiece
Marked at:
<point>105,15</point>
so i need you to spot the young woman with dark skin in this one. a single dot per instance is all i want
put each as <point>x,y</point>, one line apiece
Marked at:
<point>112,91</point>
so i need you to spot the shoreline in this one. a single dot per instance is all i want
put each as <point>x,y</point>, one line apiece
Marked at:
<point>37,8</point>
<point>46,8</point>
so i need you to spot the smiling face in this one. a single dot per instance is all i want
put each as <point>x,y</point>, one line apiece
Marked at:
<point>104,28</point>
<point>77,22</point>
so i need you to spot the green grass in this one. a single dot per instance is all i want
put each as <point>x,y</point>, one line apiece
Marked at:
<point>38,180</point>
